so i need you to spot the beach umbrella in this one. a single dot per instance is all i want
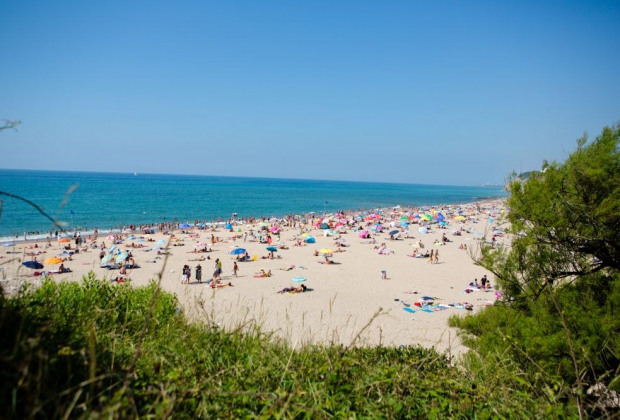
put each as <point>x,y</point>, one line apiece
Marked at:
<point>32,264</point>
<point>161,242</point>
<point>122,256</point>
<point>238,251</point>
<point>363,234</point>
<point>52,260</point>
<point>442,223</point>
<point>326,251</point>
<point>460,218</point>
<point>64,240</point>
<point>438,244</point>
<point>201,245</point>
<point>107,258</point>
<point>131,237</point>
<point>112,248</point>
<point>272,249</point>
<point>273,229</point>
<point>299,279</point>
<point>310,240</point>
<point>110,237</point>
<point>184,225</point>
<point>422,229</point>
<point>263,224</point>
<point>394,232</point>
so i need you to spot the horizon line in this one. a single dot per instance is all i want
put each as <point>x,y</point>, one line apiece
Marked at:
<point>249,177</point>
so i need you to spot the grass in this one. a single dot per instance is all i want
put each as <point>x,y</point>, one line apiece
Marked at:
<point>90,349</point>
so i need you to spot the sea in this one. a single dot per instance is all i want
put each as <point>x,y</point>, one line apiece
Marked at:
<point>81,201</point>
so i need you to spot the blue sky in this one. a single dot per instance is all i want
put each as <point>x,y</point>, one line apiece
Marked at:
<point>449,92</point>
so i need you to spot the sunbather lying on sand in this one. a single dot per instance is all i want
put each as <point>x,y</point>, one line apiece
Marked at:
<point>299,289</point>
<point>218,285</point>
<point>263,273</point>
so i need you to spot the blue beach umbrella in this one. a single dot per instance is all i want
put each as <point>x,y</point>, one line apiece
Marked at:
<point>107,259</point>
<point>32,264</point>
<point>228,226</point>
<point>121,257</point>
<point>394,232</point>
<point>237,251</point>
<point>310,240</point>
<point>422,229</point>
<point>184,225</point>
<point>112,248</point>
<point>272,249</point>
<point>299,279</point>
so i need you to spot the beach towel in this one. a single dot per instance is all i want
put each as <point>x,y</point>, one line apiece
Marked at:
<point>411,311</point>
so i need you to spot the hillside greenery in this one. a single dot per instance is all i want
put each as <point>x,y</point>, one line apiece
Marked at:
<point>91,349</point>
<point>559,326</point>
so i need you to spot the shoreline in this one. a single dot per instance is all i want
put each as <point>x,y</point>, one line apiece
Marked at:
<point>349,304</point>
<point>35,236</point>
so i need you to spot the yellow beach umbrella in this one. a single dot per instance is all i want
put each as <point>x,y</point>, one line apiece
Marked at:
<point>460,218</point>
<point>326,251</point>
<point>52,260</point>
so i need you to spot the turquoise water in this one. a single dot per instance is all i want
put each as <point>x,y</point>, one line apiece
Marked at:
<point>108,200</point>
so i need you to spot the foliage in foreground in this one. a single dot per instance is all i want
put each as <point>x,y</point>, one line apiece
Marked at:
<point>560,326</point>
<point>69,350</point>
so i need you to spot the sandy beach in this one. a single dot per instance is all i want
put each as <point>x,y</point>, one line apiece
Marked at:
<point>348,301</point>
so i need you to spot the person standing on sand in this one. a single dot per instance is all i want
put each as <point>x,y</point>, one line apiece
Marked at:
<point>199,273</point>
<point>216,270</point>
<point>184,277</point>
<point>431,259</point>
<point>235,268</point>
<point>437,257</point>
